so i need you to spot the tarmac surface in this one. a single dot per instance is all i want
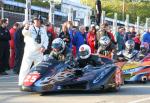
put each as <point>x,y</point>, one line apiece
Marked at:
<point>129,93</point>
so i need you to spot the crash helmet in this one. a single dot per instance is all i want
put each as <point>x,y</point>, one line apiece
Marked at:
<point>104,42</point>
<point>58,45</point>
<point>129,45</point>
<point>84,51</point>
<point>144,48</point>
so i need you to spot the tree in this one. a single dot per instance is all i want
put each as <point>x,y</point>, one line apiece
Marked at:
<point>134,9</point>
<point>90,3</point>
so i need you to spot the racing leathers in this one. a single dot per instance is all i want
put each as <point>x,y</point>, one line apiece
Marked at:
<point>107,52</point>
<point>65,55</point>
<point>93,60</point>
<point>126,55</point>
<point>141,55</point>
<point>32,50</point>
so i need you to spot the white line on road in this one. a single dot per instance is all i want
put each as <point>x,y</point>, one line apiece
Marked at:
<point>5,77</point>
<point>140,100</point>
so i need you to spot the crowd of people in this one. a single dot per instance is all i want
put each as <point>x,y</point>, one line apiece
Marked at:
<point>25,45</point>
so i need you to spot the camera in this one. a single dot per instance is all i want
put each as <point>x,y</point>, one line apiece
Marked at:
<point>38,39</point>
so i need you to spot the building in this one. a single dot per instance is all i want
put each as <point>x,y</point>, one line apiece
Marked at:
<point>77,12</point>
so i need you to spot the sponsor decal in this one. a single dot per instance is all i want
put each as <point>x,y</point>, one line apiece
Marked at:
<point>118,78</point>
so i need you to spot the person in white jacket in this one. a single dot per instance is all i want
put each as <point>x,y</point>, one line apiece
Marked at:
<point>36,42</point>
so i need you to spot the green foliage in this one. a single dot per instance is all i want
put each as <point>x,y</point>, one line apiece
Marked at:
<point>90,3</point>
<point>36,2</point>
<point>134,9</point>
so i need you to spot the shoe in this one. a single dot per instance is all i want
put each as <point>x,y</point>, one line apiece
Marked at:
<point>4,73</point>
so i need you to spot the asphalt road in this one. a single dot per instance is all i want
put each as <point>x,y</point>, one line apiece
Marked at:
<point>131,93</point>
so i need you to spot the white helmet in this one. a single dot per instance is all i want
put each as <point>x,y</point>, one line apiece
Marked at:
<point>58,45</point>
<point>130,45</point>
<point>84,51</point>
<point>104,41</point>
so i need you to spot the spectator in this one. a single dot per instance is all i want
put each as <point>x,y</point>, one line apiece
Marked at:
<point>120,38</point>
<point>86,30</point>
<point>75,30</point>
<point>106,48</point>
<point>19,48</point>
<point>79,38</point>
<point>70,31</point>
<point>36,42</point>
<point>131,34</point>
<point>51,36</point>
<point>91,39</point>
<point>105,31</point>
<point>137,41</point>
<point>65,35</point>
<point>12,45</point>
<point>4,47</point>
<point>0,22</point>
<point>146,37</point>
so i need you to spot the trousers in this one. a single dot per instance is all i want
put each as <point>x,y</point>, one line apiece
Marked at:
<point>29,58</point>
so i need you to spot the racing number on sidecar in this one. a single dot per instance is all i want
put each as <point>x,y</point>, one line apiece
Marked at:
<point>31,78</point>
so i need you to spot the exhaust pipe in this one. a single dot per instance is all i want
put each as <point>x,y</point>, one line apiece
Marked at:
<point>144,78</point>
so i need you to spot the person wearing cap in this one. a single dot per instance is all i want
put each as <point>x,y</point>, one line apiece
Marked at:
<point>36,42</point>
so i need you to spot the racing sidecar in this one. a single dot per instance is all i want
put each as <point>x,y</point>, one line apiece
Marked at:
<point>53,75</point>
<point>136,71</point>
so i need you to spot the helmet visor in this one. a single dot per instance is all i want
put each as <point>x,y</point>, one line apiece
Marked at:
<point>57,47</point>
<point>83,53</point>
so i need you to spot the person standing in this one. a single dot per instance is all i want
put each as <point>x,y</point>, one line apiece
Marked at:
<point>65,35</point>
<point>120,38</point>
<point>146,37</point>
<point>79,39</point>
<point>131,34</point>
<point>91,39</point>
<point>4,47</point>
<point>70,31</point>
<point>12,45</point>
<point>105,31</point>
<point>36,42</point>
<point>137,41</point>
<point>19,48</point>
<point>51,36</point>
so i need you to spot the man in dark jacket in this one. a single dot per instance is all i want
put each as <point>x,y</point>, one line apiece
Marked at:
<point>19,49</point>
<point>4,47</point>
<point>131,34</point>
<point>65,36</point>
